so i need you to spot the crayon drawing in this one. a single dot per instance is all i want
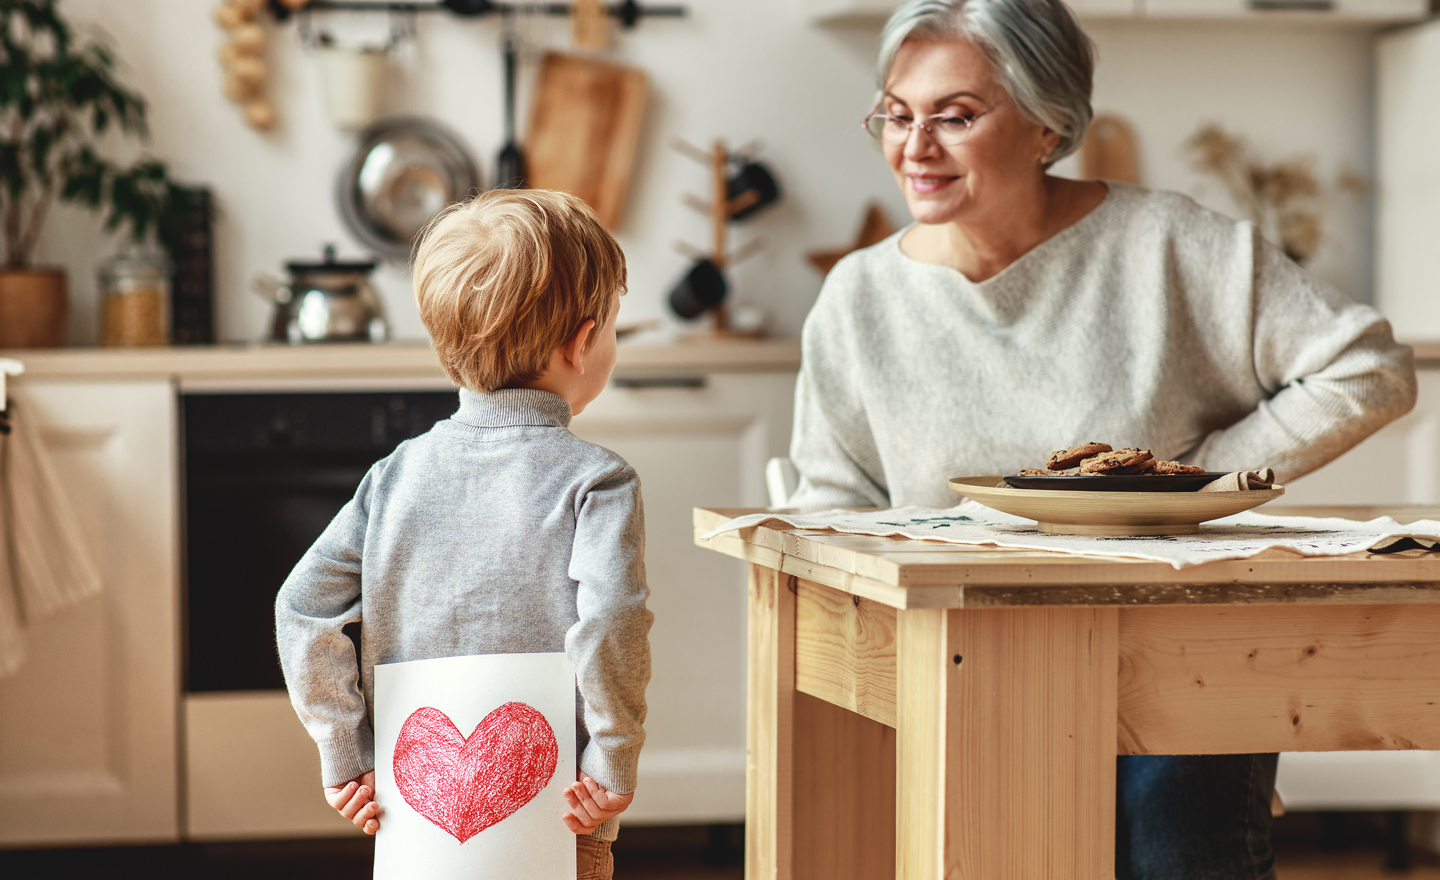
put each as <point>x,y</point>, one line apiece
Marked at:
<point>472,757</point>
<point>466,785</point>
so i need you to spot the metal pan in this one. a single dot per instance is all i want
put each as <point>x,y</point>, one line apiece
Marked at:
<point>404,171</point>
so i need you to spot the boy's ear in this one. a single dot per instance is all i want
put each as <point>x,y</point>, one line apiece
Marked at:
<point>574,347</point>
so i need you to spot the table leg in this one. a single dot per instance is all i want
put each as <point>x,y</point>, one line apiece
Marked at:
<point>1006,743</point>
<point>820,779</point>
<point>769,726</point>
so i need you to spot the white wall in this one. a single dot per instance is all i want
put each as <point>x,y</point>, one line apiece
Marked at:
<point>737,69</point>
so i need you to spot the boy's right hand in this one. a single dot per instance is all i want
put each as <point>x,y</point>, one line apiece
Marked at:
<point>356,801</point>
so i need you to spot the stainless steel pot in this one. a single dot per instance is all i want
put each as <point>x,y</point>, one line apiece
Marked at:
<point>326,301</point>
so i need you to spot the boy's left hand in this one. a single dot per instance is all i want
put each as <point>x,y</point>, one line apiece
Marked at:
<point>355,800</point>
<point>592,803</point>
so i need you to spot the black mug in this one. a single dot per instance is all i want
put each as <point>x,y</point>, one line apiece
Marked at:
<point>703,288</point>
<point>752,177</point>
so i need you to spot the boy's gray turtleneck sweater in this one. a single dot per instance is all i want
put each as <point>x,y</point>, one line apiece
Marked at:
<point>496,532</point>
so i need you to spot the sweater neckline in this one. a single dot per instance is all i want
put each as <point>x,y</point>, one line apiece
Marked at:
<point>1112,191</point>
<point>512,407</point>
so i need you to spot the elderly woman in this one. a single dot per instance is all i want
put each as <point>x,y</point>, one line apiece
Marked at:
<point>1024,312</point>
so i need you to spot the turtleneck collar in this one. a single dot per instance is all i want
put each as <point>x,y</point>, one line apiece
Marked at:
<point>509,407</point>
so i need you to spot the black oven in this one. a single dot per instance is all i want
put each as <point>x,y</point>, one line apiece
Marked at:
<point>264,475</point>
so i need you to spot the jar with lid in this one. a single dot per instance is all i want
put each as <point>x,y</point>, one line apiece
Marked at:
<point>135,291</point>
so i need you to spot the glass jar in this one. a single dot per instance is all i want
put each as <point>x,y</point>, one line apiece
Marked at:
<point>135,304</point>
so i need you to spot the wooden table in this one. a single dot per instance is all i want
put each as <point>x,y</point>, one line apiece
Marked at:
<point>927,710</point>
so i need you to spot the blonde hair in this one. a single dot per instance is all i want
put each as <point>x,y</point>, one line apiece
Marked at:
<point>506,278</point>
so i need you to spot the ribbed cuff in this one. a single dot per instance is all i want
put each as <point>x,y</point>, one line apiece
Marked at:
<point>346,757</point>
<point>608,830</point>
<point>614,770</point>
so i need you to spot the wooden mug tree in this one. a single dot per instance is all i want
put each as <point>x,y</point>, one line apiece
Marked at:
<point>720,209</point>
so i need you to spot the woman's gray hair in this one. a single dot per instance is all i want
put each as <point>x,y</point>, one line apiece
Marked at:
<point>1042,58</point>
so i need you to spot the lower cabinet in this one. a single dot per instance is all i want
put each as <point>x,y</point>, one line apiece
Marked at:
<point>1399,464</point>
<point>700,444</point>
<point>88,727</point>
<point>694,440</point>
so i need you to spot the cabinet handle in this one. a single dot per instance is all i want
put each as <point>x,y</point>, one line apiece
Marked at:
<point>1292,5</point>
<point>658,382</point>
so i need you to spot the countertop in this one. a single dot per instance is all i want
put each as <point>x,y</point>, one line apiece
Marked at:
<point>404,361</point>
<point>390,361</point>
<point>1427,354</point>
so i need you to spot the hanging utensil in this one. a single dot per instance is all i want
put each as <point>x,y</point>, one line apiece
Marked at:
<point>510,164</point>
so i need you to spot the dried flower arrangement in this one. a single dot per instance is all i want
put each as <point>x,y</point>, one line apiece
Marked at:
<point>1286,201</point>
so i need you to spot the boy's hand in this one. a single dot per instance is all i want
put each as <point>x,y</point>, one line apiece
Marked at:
<point>592,803</point>
<point>356,801</point>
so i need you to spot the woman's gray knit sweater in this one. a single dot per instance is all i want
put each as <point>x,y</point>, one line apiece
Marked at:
<point>1151,322</point>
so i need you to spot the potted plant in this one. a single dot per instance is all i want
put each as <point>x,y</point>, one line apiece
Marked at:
<point>58,98</point>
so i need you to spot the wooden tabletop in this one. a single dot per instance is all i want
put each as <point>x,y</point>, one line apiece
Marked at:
<point>906,573</point>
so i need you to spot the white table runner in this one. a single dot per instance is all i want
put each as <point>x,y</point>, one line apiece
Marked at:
<point>1234,537</point>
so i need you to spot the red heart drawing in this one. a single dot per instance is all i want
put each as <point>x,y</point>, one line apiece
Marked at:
<point>466,785</point>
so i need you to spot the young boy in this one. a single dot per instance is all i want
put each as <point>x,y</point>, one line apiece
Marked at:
<point>498,531</point>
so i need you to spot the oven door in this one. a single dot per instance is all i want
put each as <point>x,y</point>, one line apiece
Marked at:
<point>264,475</point>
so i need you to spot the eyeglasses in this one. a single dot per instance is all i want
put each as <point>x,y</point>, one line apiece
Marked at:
<point>947,130</point>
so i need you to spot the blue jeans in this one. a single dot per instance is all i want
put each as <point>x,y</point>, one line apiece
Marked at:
<point>1194,817</point>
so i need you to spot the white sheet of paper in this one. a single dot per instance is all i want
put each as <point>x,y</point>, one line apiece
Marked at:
<point>464,778</point>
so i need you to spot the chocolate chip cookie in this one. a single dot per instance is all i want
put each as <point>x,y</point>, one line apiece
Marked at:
<point>1068,458</point>
<point>1175,467</point>
<point>1119,461</point>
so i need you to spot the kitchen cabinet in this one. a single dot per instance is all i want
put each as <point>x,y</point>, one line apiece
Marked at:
<point>88,732</point>
<point>1340,11</point>
<point>1346,12</point>
<point>1399,464</point>
<point>692,438</point>
<point>1407,185</point>
<point>104,763</point>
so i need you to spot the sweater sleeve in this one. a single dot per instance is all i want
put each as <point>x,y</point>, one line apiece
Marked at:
<point>609,645</point>
<point>322,595</point>
<point>832,445</point>
<point>1330,368</point>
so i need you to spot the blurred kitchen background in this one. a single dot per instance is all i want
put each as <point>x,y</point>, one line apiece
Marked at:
<point>797,81</point>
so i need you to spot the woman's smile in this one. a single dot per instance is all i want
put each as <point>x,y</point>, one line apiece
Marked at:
<point>925,184</point>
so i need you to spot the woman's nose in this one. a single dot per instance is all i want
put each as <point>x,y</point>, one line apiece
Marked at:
<point>920,143</point>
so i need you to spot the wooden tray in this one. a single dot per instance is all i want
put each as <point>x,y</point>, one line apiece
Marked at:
<point>1113,513</point>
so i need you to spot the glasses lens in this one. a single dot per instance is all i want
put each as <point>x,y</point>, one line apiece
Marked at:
<point>879,126</point>
<point>951,130</point>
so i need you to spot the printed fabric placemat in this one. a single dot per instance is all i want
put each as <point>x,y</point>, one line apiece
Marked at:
<point>1234,537</point>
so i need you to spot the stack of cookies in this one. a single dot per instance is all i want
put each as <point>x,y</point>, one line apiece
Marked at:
<point>1100,459</point>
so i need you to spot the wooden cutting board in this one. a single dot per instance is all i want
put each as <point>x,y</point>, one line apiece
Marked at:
<point>584,130</point>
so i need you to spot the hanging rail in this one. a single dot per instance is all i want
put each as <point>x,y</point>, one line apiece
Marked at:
<point>628,12</point>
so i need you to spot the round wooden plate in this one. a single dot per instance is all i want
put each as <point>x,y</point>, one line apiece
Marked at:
<point>1113,513</point>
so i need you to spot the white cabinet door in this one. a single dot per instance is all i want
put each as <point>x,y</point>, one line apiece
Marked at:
<point>694,446</point>
<point>1407,188</point>
<point>88,724</point>
<point>1399,464</point>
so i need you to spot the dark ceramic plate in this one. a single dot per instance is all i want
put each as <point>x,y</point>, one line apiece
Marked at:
<point>1118,483</point>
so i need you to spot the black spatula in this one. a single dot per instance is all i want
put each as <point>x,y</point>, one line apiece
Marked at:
<point>510,164</point>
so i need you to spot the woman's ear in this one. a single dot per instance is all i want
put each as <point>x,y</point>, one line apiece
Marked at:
<point>574,348</point>
<point>1049,141</point>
